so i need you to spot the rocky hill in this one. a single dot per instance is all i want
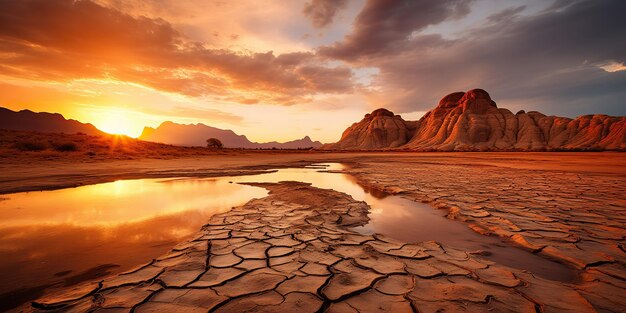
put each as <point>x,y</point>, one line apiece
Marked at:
<point>377,130</point>
<point>471,121</point>
<point>27,120</point>
<point>197,134</point>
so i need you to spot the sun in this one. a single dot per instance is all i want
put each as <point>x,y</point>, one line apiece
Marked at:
<point>116,122</point>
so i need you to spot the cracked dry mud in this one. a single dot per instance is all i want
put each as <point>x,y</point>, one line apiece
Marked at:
<point>293,251</point>
<point>575,218</point>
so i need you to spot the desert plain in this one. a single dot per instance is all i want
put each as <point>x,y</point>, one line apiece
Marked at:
<point>312,156</point>
<point>296,249</point>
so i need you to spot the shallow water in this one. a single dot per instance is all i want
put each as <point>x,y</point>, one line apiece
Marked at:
<point>412,221</point>
<point>62,237</point>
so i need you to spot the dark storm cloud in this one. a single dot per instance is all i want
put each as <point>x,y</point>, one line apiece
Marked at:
<point>384,25</point>
<point>548,61</point>
<point>64,39</point>
<point>322,12</point>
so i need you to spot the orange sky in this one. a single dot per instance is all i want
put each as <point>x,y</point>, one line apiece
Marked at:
<point>280,70</point>
<point>123,65</point>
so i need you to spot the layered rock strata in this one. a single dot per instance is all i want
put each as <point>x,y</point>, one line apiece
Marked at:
<point>377,130</point>
<point>471,121</point>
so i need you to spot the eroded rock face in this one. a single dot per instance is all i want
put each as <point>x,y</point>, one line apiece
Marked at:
<point>471,121</point>
<point>474,122</point>
<point>377,130</point>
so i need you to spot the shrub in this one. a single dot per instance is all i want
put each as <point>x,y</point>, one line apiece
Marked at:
<point>29,146</point>
<point>214,143</point>
<point>65,147</point>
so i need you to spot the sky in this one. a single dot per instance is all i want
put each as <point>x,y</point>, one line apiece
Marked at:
<point>281,70</point>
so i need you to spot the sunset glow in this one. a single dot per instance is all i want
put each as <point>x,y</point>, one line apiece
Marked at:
<point>312,155</point>
<point>317,62</point>
<point>117,122</point>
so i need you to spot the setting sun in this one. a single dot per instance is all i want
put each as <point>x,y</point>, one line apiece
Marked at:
<point>117,122</point>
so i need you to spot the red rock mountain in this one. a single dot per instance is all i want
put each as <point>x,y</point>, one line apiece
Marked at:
<point>197,134</point>
<point>377,130</point>
<point>471,121</point>
<point>43,122</point>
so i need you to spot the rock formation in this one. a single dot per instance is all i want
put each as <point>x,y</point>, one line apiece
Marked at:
<point>27,120</point>
<point>197,134</point>
<point>471,121</point>
<point>377,130</point>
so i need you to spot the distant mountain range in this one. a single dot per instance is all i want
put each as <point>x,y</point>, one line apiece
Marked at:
<point>43,122</point>
<point>168,132</point>
<point>471,121</point>
<point>197,134</point>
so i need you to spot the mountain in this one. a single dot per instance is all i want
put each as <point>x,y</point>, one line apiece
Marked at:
<point>27,120</point>
<point>377,130</point>
<point>305,142</point>
<point>197,134</point>
<point>191,135</point>
<point>471,121</point>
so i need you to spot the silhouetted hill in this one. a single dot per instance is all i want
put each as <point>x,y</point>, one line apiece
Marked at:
<point>27,120</point>
<point>197,134</point>
<point>471,121</point>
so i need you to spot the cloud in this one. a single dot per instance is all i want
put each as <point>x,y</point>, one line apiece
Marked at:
<point>612,67</point>
<point>204,113</point>
<point>383,25</point>
<point>549,61</point>
<point>65,39</point>
<point>505,14</point>
<point>562,58</point>
<point>322,12</point>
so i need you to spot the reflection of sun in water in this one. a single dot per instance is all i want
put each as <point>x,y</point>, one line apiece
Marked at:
<point>116,122</point>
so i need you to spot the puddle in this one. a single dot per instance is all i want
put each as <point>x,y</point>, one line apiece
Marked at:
<point>412,221</point>
<point>59,238</point>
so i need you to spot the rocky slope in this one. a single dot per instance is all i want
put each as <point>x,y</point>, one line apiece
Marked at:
<point>27,120</point>
<point>377,130</point>
<point>471,121</point>
<point>197,134</point>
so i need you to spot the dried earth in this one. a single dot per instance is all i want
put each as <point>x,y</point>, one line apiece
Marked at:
<point>569,217</point>
<point>294,250</point>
